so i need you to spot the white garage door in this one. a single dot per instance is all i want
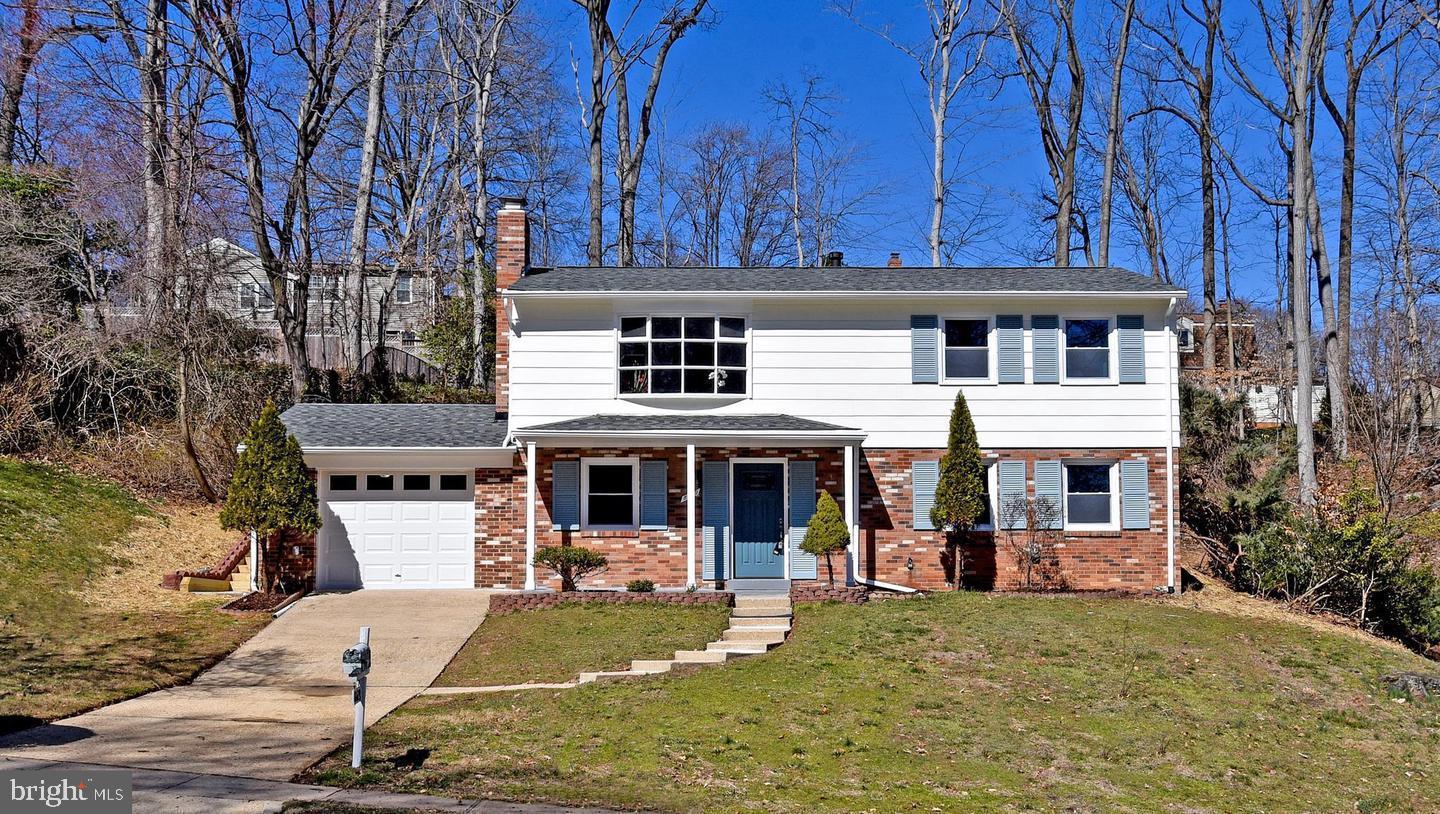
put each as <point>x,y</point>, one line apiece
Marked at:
<point>396,530</point>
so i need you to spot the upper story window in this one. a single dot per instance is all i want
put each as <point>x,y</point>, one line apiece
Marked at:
<point>683,355</point>
<point>967,349</point>
<point>255,294</point>
<point>404,294</point>
<point>325,288</point>
<point>1087,349</point>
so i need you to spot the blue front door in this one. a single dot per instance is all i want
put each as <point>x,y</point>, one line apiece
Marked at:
<point>759,520</point>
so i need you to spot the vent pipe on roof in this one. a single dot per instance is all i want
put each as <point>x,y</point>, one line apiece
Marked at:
<point>894,262</point>
<point>833,260</point>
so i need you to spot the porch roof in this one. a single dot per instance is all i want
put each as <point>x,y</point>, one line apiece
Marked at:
<point>706,428</point>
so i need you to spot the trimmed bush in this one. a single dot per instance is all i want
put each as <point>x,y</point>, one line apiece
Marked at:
<point>571,563</point>
<point>640,586</point>
<point>826,532</point>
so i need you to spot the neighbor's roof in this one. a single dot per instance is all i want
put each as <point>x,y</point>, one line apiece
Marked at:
<point>395,426</point>
<point>687,423</point>
<point>859,280</point>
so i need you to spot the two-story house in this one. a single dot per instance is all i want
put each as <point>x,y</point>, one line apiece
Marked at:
<point>684,421</point>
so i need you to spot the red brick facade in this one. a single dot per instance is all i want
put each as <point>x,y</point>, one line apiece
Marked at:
<point>512,258</point>
<point>1072,560</point>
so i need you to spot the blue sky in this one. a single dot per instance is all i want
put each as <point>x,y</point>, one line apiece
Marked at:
<point>719,75</point>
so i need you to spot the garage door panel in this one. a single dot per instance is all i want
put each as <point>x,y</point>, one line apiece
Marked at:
<point>398,539</point>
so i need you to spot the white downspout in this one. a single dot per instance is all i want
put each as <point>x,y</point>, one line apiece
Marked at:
<point>254,552</point>
<point>1171,351</point>
<point>690,515</point>
<point>530,516</point>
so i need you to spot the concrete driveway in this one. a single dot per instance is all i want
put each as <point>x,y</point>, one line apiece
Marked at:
<point>279,702</point>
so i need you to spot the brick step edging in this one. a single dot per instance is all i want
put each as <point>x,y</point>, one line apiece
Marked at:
<point>532,600</point>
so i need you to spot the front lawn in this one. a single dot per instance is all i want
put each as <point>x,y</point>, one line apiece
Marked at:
<point>966,702</point>
<point>557,644</point>
<point>72,636</point>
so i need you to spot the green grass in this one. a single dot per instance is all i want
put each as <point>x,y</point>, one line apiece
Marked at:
<point>966,702</point>
<point>557,644</point>
<point>58,656</point>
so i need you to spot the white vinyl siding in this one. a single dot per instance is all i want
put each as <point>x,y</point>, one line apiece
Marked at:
<point>847,363</point>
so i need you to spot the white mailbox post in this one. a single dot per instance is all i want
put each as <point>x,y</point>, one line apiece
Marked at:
<point>356,664</point>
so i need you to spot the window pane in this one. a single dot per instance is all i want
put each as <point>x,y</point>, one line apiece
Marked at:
<point>1087,364</point>
<point>1088,509</point>
<point>610,479</point>
<point>699,353</point>
<point>419,483</point>
<point>343,483</point>
<point>1090,478</point>
<point>732,354</point>
<point>379,483</point>
<point>1087,333</point>
<point>699,380</point>
<point>966,333</point>
<point>452,483</point>
<point>733,327</point>
<point>611,510</point>
<point>665,328</point>
<point>699,327</point>
<point>665,353</point>
<point>632,354</point>
<point>967,363</point>
<point>732,381</point>
<point>632,381</point>
<point>632,327</point>
<point>985,519</point>
<point>665,381</point>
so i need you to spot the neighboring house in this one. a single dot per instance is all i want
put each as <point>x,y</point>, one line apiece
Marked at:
<point>1190,336</point>
<point>243,291</point>
<point>684,421</point>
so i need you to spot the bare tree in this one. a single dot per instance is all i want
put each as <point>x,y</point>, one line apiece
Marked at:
<point>804,112</point>
<point>947,60</point>
<point>33,32</point>
<point>1113,133</point>
<point>1039,66</point>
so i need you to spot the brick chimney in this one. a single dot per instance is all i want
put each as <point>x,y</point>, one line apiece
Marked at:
<point>512,261</point>
<point>894,262</point>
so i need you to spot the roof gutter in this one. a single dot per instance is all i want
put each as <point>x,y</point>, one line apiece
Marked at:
<point>511,294</point>
<point>848,435</point>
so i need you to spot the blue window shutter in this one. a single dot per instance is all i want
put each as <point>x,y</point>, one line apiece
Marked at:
<point>924,477</point>
<point>1132,348</point>
<point>1048,490</point>
<point>1010,348</point>
<point>925,349</point>
<point>565,502</point>
<point>715,514</point>
<point>1045,336</point>
<point>652,495</point>
<point>1010,503</point>
<point>802,506</point>
<point>1135,494</point>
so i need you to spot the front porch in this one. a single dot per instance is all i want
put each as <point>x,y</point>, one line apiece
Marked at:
<point>689,502</point>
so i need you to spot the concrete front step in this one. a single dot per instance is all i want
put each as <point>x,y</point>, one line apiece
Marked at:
<point>700,656</point>
<point>778,603</point>
<point>651,665</point>
<point>761,622</point>
<point>739,648</point>
<point>607,675</point>
<point>760,613</point>
<point>747,635</point>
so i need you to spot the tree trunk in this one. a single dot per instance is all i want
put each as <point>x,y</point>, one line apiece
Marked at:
<point>187,439</point>
<point>1112,135</point>
<point>482,288</point>
<point>597,10</point>
<point>27,48</point>
<point>153,118</point>
<point>1299,125</point>
<point>354,308</point>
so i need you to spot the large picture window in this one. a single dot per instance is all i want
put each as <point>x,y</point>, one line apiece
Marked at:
<point>1087,349</point>
<point>1089,494</point>
<point>690,355</point>
<point>610,494</point>
<point>967,349</point>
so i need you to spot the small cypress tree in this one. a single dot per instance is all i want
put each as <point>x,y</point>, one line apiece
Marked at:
<point>960,495</point>
<point>271,490</point>
<point>826,532</point>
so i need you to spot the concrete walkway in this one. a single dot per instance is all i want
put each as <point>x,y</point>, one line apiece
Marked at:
<point>176,792</point>
<point>279,702</point>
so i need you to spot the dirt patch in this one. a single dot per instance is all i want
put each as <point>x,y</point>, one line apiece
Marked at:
<point>256,602</point>
<point>181,535</point>
<point>1218,598</point>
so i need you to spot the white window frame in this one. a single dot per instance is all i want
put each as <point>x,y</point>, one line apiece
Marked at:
<point>1114,469</point>
<point>992,484</point>
<point>585,464</point>
<point>991,348</point>
<point>406,295</point>
<point>717,316</point>
<point>1112,341</point>
<point>256,291</point>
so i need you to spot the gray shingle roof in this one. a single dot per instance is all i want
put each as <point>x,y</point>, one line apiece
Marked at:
<point>687,423</point>
<point>880,280</point>
<point>456,426</point>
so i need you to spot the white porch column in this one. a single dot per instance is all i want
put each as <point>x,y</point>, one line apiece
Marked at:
<point>852,506</point>
<point>530,516</point>
<point>690,514</point>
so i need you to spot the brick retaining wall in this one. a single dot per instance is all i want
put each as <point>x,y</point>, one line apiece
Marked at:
<point>532,600</point>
